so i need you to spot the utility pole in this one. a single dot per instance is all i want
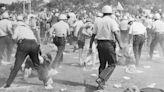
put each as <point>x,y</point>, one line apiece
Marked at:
<point>29,7</point>
<point>24,7</point>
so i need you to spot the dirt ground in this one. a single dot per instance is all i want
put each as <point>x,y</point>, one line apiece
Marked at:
<point>73,78</point>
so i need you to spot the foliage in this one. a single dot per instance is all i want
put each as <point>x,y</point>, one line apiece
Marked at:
<point>76,5</point>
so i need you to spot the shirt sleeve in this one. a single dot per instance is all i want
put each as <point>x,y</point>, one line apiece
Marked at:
<point>114,26</point>
<point>153,26</point>
<point>51,30</point>
<point>15,34</point>
<point>131,30</point>
<point>9,28</point>
<point>68,30</point>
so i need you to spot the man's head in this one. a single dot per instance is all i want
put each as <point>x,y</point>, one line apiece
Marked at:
<point>157,16</point>
<point>125,18</point>
<point>20,18</point>
<point>5,15</point>
<point>107,10</point>
<point>99,14</point>
<point>63,17</point>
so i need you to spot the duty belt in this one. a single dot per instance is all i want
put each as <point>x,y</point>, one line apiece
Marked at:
<point>21,40</point>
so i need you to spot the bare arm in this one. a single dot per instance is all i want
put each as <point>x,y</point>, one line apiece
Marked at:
<point>130,38</point>
<point>51,30</point>
<point>118,38</point>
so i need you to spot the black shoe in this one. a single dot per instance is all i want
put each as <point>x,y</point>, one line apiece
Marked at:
<point>6,86</point>
<point>101,84</point>
<point>99,81</point>
<point>100,87</point>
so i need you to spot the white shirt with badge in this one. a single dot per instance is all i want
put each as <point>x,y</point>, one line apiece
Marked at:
<point>104,28</point>
<point>60,29</point>
<point>137,28</point>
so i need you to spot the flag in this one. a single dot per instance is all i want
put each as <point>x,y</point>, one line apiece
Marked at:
<point>119,6</point>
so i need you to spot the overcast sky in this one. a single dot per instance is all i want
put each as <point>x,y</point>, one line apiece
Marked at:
<point>7,1</point>
<point>10,1</point>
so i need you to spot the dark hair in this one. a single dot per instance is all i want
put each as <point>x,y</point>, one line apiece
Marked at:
<point>105,14</point>
<point>130,22</point>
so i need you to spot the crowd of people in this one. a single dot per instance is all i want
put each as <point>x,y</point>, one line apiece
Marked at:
<point>106,29</point>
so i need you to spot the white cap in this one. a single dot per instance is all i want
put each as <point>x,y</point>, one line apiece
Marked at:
<point>131,19</point>
<point>107,9</point>
<point>62,17</point>
<point>20,18</point>
<point>125,17</point>
<point>4,8</point>
<point>99,14</point>
<point>57,14</point>
<point>5,15</point>
<point>157,16</point>
<point>72,15</point>
<point>117,14</point>
<point>150,15</point>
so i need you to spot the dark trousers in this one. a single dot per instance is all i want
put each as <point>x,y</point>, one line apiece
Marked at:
<point>60,43</point>
<point>106,52</point>
<point>6,44</point>
<point>25,47</point>
<point>156,38</point>
<point>138,41</point>
<point>42,29</point>
<point>149,37</point>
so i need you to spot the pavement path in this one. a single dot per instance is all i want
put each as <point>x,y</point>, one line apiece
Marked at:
<point>73,78</point>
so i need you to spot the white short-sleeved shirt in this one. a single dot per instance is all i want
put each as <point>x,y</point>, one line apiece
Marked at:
<point>22,31</point>
<point>104,28</point>
<point>158,26</point>
<point>137,28</point>
<point>5,27</point>
<point>60,29</point>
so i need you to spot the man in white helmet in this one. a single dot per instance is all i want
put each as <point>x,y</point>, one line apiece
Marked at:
<point>158,35</point>
<point>6,43</point>
<point>106,34</point>
<point>59,32</point>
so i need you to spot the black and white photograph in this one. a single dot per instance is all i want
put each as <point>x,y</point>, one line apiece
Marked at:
<point>81,45</point>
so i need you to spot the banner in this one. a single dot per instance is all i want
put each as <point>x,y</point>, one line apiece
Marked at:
<point>119,7</point>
